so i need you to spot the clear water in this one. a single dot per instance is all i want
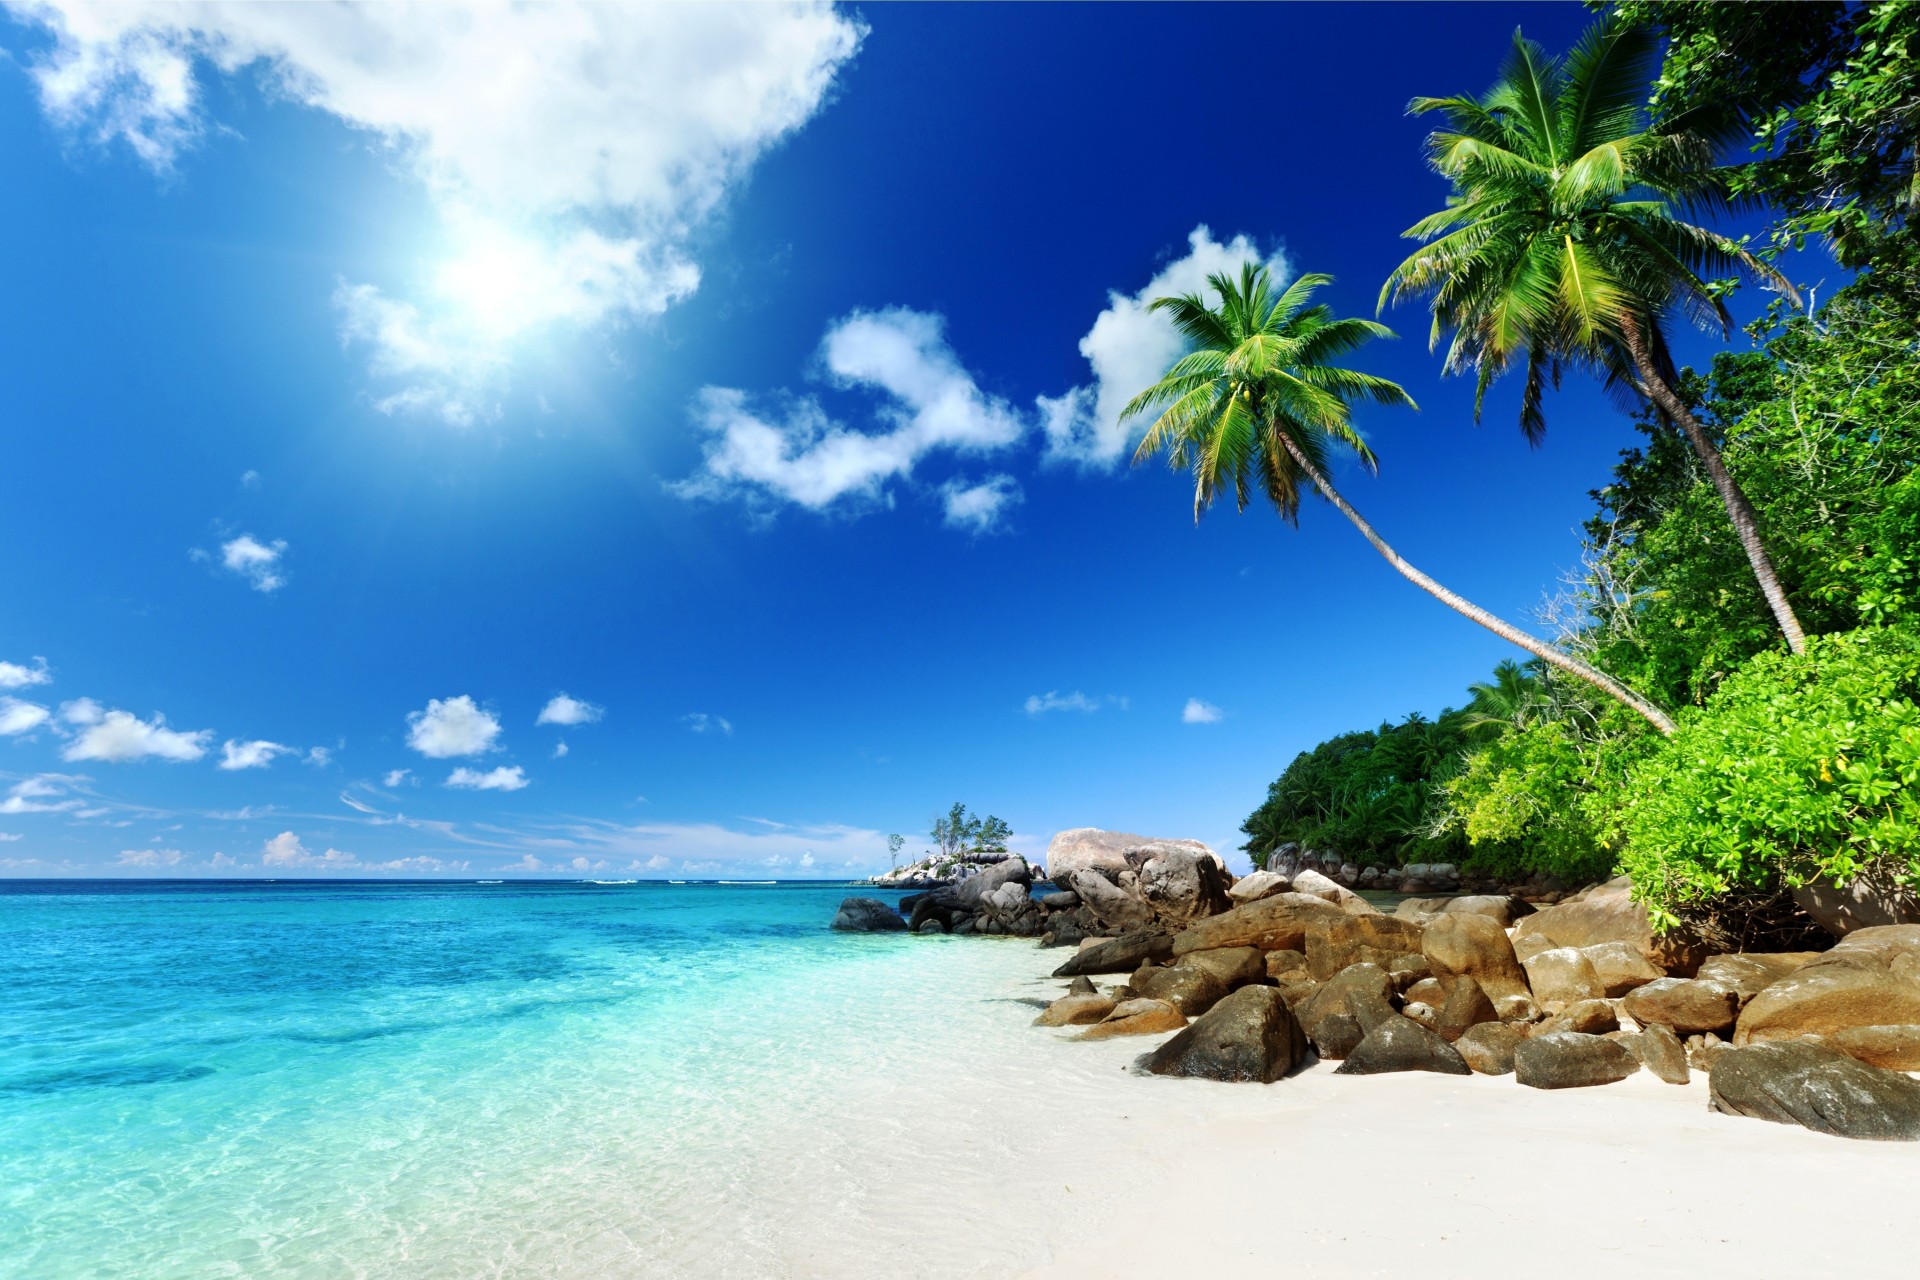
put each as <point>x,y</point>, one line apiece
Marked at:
<point>465,1080</point>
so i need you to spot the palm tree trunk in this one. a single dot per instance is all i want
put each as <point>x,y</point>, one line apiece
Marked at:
<point>1505,630</point>
<point>1746,521</point>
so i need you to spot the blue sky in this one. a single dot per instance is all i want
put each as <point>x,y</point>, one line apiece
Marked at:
<point>376,378</point>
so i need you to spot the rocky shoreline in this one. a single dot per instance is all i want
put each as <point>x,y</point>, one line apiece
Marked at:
<point>1261,975</point>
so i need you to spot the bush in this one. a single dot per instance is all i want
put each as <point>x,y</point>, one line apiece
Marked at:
<point>1798,768</point>
<point>1523,803</point>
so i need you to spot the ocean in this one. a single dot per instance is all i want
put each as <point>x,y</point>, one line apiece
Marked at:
<point>508,1079</point>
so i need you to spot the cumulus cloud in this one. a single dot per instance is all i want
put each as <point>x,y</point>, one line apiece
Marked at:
<point>977,508</point>
<point>701,722</point>
<point>452,727</point>
<point>699,848</point>
<point>561,709</point>
<point>18,716</point>
<point>15,676</point>
<point>1198,712</point>
<point>257,754</point>
<point>150,858</point>
<point>1130,347</point>
<point>797,454</point>
<point>1040,704</point>
<point>319,757</point>
<point>572,151</point>
<point>118,737</point>
<point>286,850</point>
<point>504,778</point>
<point>260,563</point>
<point>38,795</point>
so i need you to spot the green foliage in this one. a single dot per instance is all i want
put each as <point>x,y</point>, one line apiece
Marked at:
<point>956,833</point>
<point>1797,768</point>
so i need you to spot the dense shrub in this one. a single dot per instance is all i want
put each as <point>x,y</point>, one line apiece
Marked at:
<point>1523,804</point>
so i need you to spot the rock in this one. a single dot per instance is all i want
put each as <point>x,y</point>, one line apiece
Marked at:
<point>1526,947</point>
<point>1621,967</point>
<point>1426,991</point>
<point>1561,977</point>
<point>1183,886</point>
<point>1278,962</point>
<point>1081,986</point>
<point>1336,1035</point>
<point>1488,1047</point>
<point>1248,1036</point>
<point>1867,980</point>
<point>1400,1044</point>
<point>1106,852</point>
<point>1683,1005</point>
<point>1137,1017</point>
<point>1702,1049</point>
<point>1516,1009</point>
<point>1363,991</point>
<point>1235,966</point>
<point>1319,886</point>
<point>1424,1014</point>
<point>1749,973</point>
<point>1816,1086</point>
<point>1276,923</point>
<point>1117,955</point>
<point>1661,1052</point>
<point>1608,913</point>
<point>1571,1060</point>
<point>1351,940</point>
<point>1261,884</point>
<point>969,893</point>
<point>1895,1048</point>
<point>1295,988</point>
<point>930,927</point>
<point>1074,1010</point>
<point>1467,1006</point>
<point>868,915</point>
<point>1499,907</point>
<point>1406,970</point>
<point>1109,904</point>
<point>1476,946</point>
<point>1588,1017</point>
<point>1188,988</point>
<point>1059,900</point>
<point>1842,909</point>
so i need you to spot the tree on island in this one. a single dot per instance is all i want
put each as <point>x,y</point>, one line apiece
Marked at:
<point>894,842</point>
<point>956,834</point>
<point>1255,404</point>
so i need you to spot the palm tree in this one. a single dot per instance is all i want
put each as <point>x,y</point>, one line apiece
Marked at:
<point>1560,240</point>
<point>1256,403</point>
<point>1513,699</point>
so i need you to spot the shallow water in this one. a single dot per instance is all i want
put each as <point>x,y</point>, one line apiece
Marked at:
<point>507,1080</point>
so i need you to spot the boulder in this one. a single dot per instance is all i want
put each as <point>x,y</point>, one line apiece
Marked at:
<point>1621,967</point>
<point>868,915</point>
<point>1401,1044</point>
<point>968,893</point>
<point>1609,914</point>
<point>1408,969</point>
<point>1350,940</point>
<point>1561,977</point>
<point>929,927</point>
<point>1363,991</point>
<point>1661,1052</point>
<point>1074,1010</point>
<point>1336,1035</point>
<point>1701,1050</point>
<point>1276,923</point>
<point>1183,886</point>
<point>1235,966</point>
<point>1683,1005</point>
<point>1278,962</point>
<point>1589,1017</point>
<point>1102,852</point>
<point>1869,979</point>
<point>1261,884</point>
<point>1059,900</point>
<point>1424,1014</point>
<point>1895,1048</point>
<point>1109,904</point>
<point>1571,1060</point>
<point>1123,954</point>
<point>1081,986</point>
<point>1248,1036</point>
<point>1476,946</point>
<point>1319,886</point>
<point>1188,988</point>
<point>1488,1047</point>
<point>1136,1017</point>
<point>1425,991</point>
<point>1501,907</point>
<point>1516,1009</point>
<point>1467,1006</point>
<point>1842,909</point>
<point>1814,1085</point>
<point>1749,973</point>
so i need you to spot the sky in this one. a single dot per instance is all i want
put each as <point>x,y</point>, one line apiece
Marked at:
<point>682,442</point>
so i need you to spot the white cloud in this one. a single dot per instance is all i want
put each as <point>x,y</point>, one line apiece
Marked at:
<point>394,778</point>
<point>419,862</point>
<point>319,757</point>
<point>560,750</point>
<point>257,754</point>
<point>36,795</point>
<point>119,736</point>
<point>258,562</point>
<point>221,861</point>
<point>977,508</point>
<point>285,850</point>
<point>1039,704</point>
<point>928,402</point>
<point>18,716</point>
<point>150,858</point>
<point>505,778</point>
<point>701,722</point>
<point>1129,348</point>
<point>15,676</point>
<point>7,837</point>
<point>1198,712</point>
<point>806,859</point>
<point>249,479</point>
<point>452,727</point>
<point>572,151</point>
<point>527,863</point>
<point>699,848</point>
<point>561,709</point>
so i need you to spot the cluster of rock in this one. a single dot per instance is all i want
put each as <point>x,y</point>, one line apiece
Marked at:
<point>1415,877</point>
<point>937,870</point>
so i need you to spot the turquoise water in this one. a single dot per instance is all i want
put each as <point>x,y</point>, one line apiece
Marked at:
<point>430,1079</point>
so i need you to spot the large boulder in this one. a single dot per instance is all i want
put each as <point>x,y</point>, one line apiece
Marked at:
<point>868,915</point>
<point>1183,886</point>
<point>1661,1053</point>
<point>1111,906</point>
<point>1137,1017</point>
<point>1467,1006</point>
<point>1563,976</point>
<point>1401,1044</point>
<point>1477,946</point>
<point>1123,954</point>
<point>1590,1017</point>
<point>1571,1060</point>
<point>1249,1035</point>
<point>1501,907</point>
<point>1075,1010</point>
<point>1871,978</point>
<point>1112,854</point>
<point>1349,940</point>
<point>1749,973</point>
<point>1608,913</point>
<point>1189,988</point>
<point>1312,882</point>
<point>1235,966</point>
<point>968,893</point>
<point>1261,884</point>
<point>1683,1005</point>
<point>1805,1083</point>
<point>1841,909</point>
<point>1488,1047</point>
<point>1278,923</point>
<point>1621,967</point>
<point>1336,1035</point>
<point>1364,992</point>
<point>1895,1048</point>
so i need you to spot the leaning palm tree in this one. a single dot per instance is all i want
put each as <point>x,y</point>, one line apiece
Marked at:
<point>1561,241</point>
<point>1256,404</point>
